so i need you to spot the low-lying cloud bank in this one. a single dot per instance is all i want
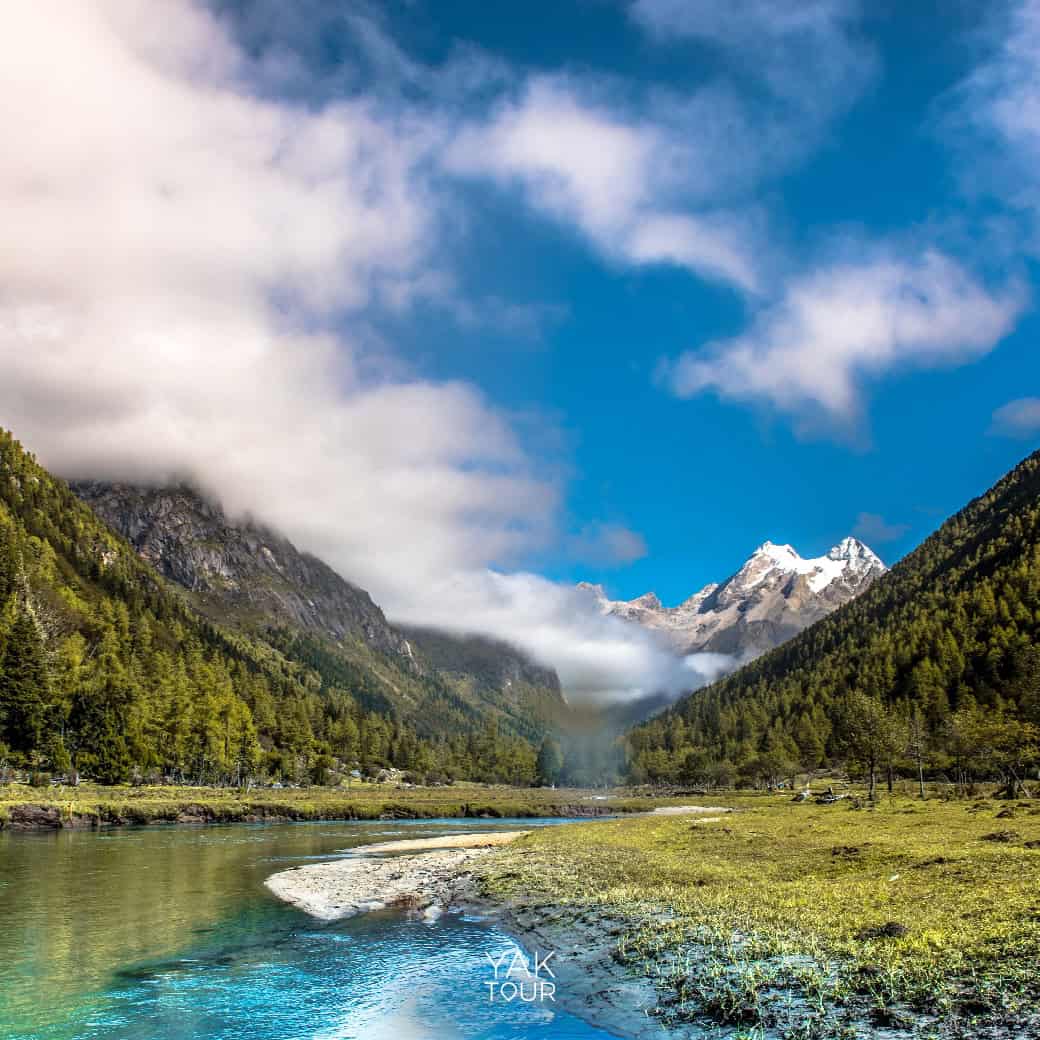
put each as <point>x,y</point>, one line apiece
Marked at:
<point>181,257</point>
<point>598,656</point>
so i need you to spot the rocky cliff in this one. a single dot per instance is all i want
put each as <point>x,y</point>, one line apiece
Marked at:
<point>243,569</point>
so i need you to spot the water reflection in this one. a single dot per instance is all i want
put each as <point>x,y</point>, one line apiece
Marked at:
<point>169,934</point>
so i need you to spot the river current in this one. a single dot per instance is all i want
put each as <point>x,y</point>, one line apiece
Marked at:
<point>169,934</point>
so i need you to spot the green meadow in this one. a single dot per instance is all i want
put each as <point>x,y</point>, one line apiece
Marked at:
<point>810,920</point>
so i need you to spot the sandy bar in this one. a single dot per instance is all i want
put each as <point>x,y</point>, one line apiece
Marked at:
<point>427,881</point>
<point>423,876</point>
<point>447,841</point>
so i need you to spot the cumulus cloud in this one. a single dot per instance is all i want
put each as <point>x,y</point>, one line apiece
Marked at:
<point>598,657</point>
<point>182,253</point>
<point>818,337</point>
<point>994,114</point>
<point>1019,418</point>
<point>811,353</point>
<point>991,122</point>
<point>663,176</point>
<point>874,529</point>
<point>585,163</point>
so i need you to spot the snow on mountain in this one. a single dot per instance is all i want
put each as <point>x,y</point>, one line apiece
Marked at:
<point>772,597</point>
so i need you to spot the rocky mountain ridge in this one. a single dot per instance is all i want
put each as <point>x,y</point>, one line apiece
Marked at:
<point>244,568</point>
<point>774,595</point>
<point>244,574</point>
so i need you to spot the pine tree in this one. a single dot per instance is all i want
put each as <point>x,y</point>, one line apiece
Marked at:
<point>139,684</point>
<point>101,716</point>
<point>811,747</point>
<point>9,562</point>
<point>24,687</point>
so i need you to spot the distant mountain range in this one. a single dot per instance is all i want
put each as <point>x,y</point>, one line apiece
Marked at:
<point>143,632</point>
<point>244,575</point>
<point>772,597</point>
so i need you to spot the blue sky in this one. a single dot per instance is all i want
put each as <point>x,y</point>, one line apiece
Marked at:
<point>702,480</point>
<point>476,301</point>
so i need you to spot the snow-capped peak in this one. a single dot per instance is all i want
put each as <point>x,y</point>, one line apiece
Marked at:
<point>849,556</point>
<point>769,558</point>
<point>853,549</point>
<point>773,550</point>
<point>775,594</point>
<point>784,556</point>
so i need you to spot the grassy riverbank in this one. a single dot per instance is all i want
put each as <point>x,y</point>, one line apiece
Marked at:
<point>92,805</point>
<point>809,921</point>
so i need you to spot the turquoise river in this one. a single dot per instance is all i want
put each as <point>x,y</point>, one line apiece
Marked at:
<point>168,933</point>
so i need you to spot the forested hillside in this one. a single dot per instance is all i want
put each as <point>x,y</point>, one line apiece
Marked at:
<point>935,668</point>
<point>106,669</point>
<point>251,579</point>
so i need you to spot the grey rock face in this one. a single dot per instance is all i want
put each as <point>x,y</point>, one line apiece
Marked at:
<point>239,567</point>
<point>774,595</point>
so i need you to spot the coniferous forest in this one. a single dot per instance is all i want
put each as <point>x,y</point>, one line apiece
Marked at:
<point>106,672</point>
<point>933,671</point>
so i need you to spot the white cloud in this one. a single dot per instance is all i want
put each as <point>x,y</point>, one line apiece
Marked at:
<point>650,175</point>
<point>610,174</point>
<point>180,255</point>
<point>596,655</point>
<point>1001,97</point>
<point>992,120</point>
<point>811,353</point>
<point>1020,418</point>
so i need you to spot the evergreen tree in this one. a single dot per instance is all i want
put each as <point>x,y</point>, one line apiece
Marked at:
<point>102,714</point>
<point>950,635</point>
<point>24,687</point>
<point>118,677</point>
<point>9,563</point>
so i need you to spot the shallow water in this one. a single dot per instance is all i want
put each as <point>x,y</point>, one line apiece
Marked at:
<point>169,934</point>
